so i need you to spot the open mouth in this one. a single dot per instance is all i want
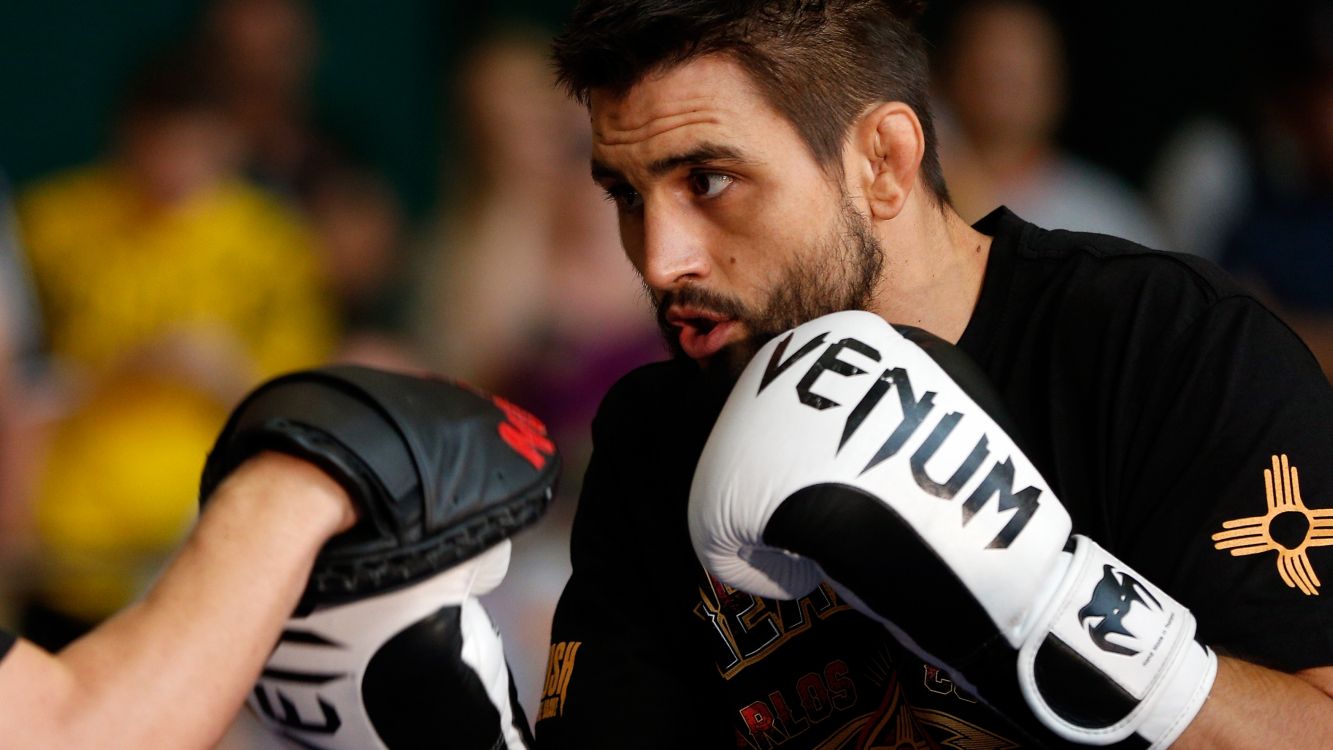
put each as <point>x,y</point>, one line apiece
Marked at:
<point>700,333</point>
<point>703,325</point>
<point>702,321</point>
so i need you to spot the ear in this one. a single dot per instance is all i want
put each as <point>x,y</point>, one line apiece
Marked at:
<point>884,157</point>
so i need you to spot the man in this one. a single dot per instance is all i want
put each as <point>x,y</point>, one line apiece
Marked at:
<point>774,161</point>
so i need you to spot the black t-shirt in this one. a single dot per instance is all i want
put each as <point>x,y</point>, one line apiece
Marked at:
<point>1162,404</point>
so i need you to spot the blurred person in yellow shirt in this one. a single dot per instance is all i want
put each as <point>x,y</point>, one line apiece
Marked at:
<point>168,286</point>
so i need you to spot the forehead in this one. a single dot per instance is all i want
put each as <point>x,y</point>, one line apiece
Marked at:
<point>708,98</point>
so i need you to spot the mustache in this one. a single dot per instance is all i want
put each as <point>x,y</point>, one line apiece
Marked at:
<point>698,297</point>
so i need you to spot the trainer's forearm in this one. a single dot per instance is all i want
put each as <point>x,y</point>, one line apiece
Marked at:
<point>171,670</point>
<point>1254,707</point>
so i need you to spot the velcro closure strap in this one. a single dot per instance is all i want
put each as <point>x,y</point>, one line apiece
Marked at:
<point>1113,655</point>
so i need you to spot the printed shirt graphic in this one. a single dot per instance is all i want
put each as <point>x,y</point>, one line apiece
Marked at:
<point>814,673</point>
<point>559,668</point>
<point>1289,528</point>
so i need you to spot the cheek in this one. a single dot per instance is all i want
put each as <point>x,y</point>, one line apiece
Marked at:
<point>779,235</point>
<point>793,208</point>
<point>753,267</point>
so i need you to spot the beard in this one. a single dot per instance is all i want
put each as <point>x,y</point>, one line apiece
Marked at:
<point>841,273</point>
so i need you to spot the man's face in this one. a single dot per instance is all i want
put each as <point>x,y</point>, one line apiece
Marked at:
<point>736,230</point>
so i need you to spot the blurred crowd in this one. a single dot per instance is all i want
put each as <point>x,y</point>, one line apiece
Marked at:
<point>224,237</point>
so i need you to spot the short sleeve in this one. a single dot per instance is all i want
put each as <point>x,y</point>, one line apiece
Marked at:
<point>1226,485</point>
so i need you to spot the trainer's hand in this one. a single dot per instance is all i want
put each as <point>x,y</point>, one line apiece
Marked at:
<point>325,506</point>
<point>390,647</point>
<point>847,450</point>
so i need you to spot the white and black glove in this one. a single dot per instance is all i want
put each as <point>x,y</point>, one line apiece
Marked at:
<point>421,666</point>
<point>851,452</point>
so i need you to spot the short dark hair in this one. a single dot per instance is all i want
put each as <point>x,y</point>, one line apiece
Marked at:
<point>820,63</point>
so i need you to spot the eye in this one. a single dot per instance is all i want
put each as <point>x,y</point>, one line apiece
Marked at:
<point>708,185</point>
<point>625,197</point>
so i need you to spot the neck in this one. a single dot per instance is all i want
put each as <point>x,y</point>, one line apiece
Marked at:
<point>933,268</point>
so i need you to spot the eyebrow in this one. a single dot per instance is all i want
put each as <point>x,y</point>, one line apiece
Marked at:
<point>705,153</point>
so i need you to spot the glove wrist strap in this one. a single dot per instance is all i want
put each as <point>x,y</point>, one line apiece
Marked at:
<point>1113,655</point>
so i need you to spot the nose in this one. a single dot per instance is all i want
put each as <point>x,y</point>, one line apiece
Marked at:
<point>674,249</point>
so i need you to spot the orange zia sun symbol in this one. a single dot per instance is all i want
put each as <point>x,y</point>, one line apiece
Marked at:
<point>1288,528</point>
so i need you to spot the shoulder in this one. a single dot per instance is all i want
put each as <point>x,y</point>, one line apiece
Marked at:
<point>1158,311</point>
<point>1126,264</point>
<point>1109,285</point>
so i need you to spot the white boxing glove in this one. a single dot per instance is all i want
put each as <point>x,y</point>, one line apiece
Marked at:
<point>851,452</point>
<point>421,666</point>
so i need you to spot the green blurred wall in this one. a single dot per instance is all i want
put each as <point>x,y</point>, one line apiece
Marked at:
<point>380,87</point>
<point>61,65</point>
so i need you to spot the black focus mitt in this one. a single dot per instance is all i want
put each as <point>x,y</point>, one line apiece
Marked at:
<point>439,472</point>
